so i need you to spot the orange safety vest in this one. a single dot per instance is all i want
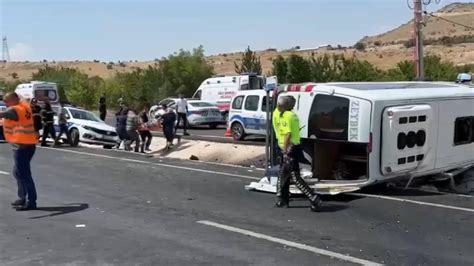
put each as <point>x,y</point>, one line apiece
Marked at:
<point>21,131</point>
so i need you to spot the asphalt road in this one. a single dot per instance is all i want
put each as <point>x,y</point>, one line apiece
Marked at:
<point>103,207</point>
<point>208,134</point>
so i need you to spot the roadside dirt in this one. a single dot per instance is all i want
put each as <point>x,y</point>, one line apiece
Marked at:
<point>226,153</point>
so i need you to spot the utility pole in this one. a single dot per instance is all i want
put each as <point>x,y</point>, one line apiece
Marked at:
<point>5,52</point>
<point>418,36</point>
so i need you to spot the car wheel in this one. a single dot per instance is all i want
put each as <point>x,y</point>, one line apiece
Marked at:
<point>74,137</point>
<point>213,125</point>
<point>238,132</point>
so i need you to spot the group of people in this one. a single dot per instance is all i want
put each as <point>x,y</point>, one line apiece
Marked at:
<point>135,129</point>
<point>43,118</point>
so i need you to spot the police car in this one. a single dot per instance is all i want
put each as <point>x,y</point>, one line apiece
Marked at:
<point>247,114</point>
<point>86,127</point>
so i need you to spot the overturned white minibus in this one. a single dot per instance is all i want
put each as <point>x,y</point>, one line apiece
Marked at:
<point>358,134</point>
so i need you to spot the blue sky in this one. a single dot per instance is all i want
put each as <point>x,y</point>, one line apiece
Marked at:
<point>146,29</point>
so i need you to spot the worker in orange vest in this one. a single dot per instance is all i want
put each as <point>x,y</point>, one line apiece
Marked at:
<point>20,132</point>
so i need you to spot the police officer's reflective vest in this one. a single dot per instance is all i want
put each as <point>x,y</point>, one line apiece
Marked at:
<point>21,131</point>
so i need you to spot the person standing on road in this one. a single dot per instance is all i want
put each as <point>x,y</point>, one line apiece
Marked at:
<point>20,133</point>
<point>121,124</point>
<point>48,124</point>
<point>36,109</point>
<point>102,108</point>
<point>144,131</point>
<point>63,128</point>
<point>287,129</point>
<point>132,131</point>
<point>168,120</point>
<point>182,110</point>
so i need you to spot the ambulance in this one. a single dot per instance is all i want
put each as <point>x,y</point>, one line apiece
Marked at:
<point>42,91</point>
<point>360,134</point>
<point>219,90</point>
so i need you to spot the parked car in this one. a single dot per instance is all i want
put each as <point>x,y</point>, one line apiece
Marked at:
<point>248,114</point>
<point>199,112</point>
<point>86,127</point>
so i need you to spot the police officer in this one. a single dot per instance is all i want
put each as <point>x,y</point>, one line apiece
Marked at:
<point>48,124</point>
<point>20,132</point>
<point>287,129</point>
<point>36,110</point>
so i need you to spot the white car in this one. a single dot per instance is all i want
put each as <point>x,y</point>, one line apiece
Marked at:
<point>199,112</point>
<point>86,127</point>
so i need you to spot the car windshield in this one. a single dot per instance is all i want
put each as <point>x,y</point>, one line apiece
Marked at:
<point>84,115</point>
<point>201,104</point>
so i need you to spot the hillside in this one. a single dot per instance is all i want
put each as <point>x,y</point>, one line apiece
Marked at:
<point>435,28</point>
<point>451,42</point>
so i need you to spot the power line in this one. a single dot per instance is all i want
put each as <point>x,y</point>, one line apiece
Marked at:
<point>448,20</point>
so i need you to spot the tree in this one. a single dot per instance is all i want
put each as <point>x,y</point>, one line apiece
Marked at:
<point>360,46</point>
<point>250,63</point>
<point>280,69</point>
<point>436,69</point>
<point>299,69</point>
<point>186,70</point>
<point>81,92</point>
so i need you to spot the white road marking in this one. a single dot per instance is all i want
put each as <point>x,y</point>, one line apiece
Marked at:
<point>256,178</point>
<point>291,244</point>
<point>412,201</point>
<point>156,164</point>
<point>4,173</point>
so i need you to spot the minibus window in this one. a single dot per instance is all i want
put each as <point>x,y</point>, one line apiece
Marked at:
<point>329,117</point>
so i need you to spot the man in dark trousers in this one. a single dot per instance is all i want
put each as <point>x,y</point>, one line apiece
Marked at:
<point>36,109</point>
<point>287,130</point>
<point>144,130</point>
<point>168,119</point>
<point>102,108</point>
<point>182,110</point>
<point>20,133</point>
<point>63,128</point>
<point>48,124</point>
<point>121,123</point>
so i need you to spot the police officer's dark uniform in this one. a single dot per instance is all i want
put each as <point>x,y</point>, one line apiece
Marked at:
<point>286,124</point>
<point>48,124</point>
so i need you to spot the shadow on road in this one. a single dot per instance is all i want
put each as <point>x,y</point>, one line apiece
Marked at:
<point>61,210</point>
<point>325,208</point>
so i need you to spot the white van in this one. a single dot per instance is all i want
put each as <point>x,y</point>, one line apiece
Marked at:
<point>40,90</point>
<point>358,134</point>
<point>219,90</point>
<point>247,114</point>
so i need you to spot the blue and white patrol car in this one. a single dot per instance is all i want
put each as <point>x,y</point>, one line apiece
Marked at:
<point>248,113</point>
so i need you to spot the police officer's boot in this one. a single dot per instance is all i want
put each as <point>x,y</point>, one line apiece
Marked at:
<point>282,195</point>
<point>314,199</point>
